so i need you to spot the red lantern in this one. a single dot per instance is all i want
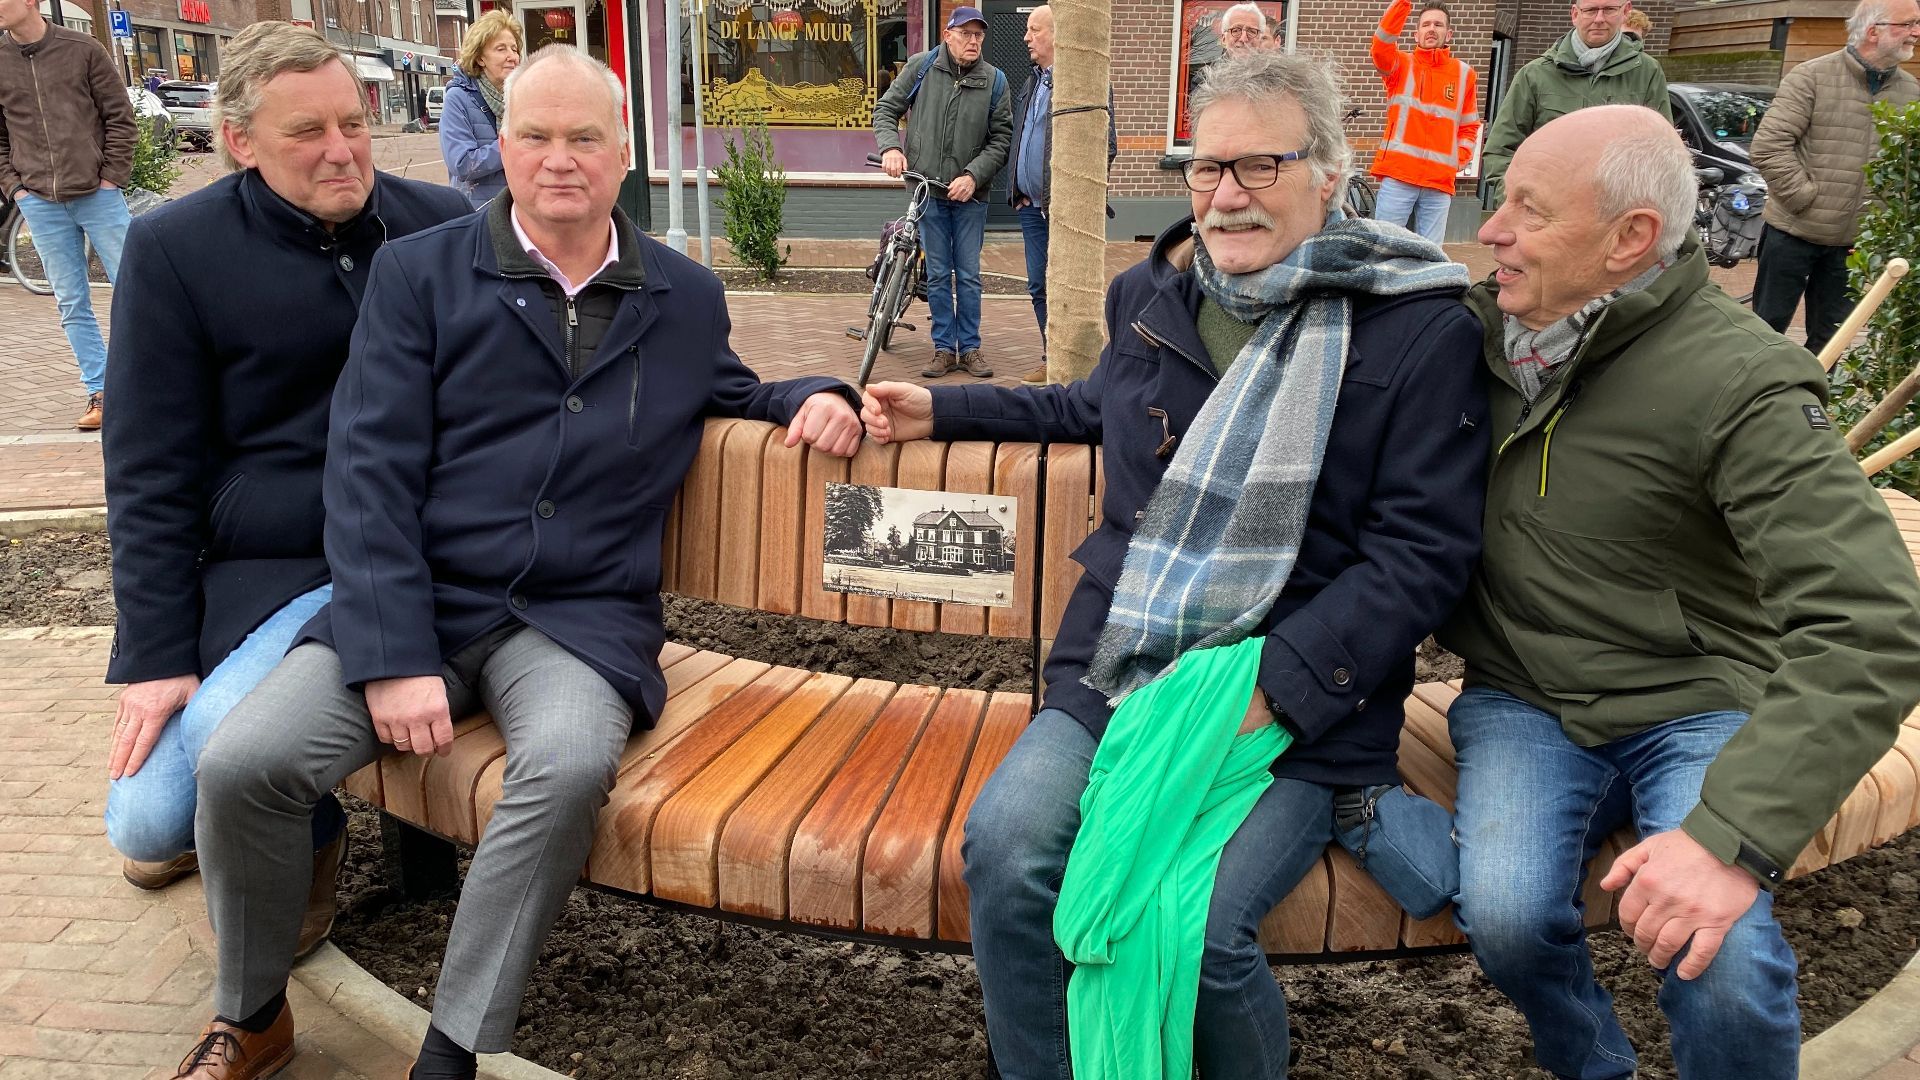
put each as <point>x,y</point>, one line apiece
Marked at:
<point>788,21</point>
<point>560,19</point>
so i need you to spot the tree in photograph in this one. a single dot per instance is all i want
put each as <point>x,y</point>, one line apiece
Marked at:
<point>852,510</point>
<point>896,549</point>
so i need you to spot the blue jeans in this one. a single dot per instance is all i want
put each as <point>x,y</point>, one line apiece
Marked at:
<point>1033,229</point>
<point>1423,210</point>
<point>150,813</point>
<point>952,233</point>
<point>58,229</point>
<point>1018,835</point>
<point>1532,809</point>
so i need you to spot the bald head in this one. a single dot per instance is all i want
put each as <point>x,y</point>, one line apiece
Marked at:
<point>1040,36</point>
<point>1634,160</point>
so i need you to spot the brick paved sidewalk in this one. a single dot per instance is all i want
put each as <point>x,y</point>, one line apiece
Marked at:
<point>99,980</point>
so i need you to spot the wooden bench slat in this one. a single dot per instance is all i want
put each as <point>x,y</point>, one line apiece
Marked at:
<point>403,777</point>
<point>969,470</point>
<point>700,498</point>
<point>1007,717</point>
<point>823,865</point>
<point>741,468</point>
<point>1363,915</point>
<point>365,784</point>
<point>1434,930</point>
<point>1816,855</point>
<point>874,465</point>
<point>685,838</point>
<point>450,781</point>
<point>1429,726</point>
<point>644,788</point>
<point>1297,926</point>
<point>1908,746</point>
<point>754,843</point>
<point>783,513</point>
<point>1858,817</point>
<point>923,466</point>
<point>1424,771</point>
<point>899,871</point>
<point>1069,499</point>
<point>1898,787</point>
<point>1599,902</point>
<point>815,601</point>
<point>1016,472</point>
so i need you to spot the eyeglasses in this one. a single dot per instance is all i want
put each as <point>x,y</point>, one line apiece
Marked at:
<point>1243,31</point>
<point>1909,26</point>
<point>1252,172</point>
<point>1605,11</point>
<point>973,35</point>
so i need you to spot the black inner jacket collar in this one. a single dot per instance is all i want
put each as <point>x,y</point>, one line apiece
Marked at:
<point>295,222</point>
<point>514,261</point>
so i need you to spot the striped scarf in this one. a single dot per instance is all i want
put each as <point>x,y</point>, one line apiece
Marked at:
<point>1223,527</point>
<point>1535,355</point>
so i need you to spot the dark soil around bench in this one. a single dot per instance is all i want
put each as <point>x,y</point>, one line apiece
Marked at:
<point>625,989</point>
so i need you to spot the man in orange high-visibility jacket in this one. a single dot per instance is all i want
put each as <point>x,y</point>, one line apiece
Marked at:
<point>1433,119</point>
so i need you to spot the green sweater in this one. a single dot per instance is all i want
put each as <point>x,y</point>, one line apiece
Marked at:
<point>1675,528</point>
<point>1555,84</point>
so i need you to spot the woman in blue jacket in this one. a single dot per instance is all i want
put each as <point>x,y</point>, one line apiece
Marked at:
<point>470,120</point>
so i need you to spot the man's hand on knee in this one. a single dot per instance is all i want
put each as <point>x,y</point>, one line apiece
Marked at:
<point>141,715</point>
<point>411,714</point>
<point>1676,892</point>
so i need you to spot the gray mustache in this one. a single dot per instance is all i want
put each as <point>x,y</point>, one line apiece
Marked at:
<point>1227,219</point>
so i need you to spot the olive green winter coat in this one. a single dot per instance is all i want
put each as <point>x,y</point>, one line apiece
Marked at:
<point>1555,84</point>
<point>1675,528</point>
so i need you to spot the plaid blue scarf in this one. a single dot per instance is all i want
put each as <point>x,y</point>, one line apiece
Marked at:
<point>1223,527</point>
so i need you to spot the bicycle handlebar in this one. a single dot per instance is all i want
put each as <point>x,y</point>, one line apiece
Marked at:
<point>874,160</point>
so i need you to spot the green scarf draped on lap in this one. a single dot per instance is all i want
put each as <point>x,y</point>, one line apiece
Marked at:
<point>1170,784</point>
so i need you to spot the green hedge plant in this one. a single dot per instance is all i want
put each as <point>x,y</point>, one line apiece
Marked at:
<point>755,199</point>
<point>1889,228</point>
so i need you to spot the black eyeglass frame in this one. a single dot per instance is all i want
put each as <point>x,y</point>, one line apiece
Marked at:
<point>1232,165</point>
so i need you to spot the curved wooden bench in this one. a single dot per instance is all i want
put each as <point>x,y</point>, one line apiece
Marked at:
<point>835,805</point>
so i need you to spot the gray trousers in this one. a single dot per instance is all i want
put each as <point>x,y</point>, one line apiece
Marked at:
<point>301,732</point>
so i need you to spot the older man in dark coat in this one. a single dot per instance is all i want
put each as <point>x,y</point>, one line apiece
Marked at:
<point>526,391</point>
<point>239,301</point>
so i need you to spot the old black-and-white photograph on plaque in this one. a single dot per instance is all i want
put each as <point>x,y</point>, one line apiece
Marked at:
<point>907,544</point>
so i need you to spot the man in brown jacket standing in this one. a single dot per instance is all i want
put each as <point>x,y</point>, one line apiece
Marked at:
<point>1810,148</point>
<point>66,151</point>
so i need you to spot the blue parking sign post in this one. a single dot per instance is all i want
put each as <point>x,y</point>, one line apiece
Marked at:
<point>122,23</point>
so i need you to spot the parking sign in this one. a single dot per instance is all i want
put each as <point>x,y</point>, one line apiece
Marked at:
<point>122,23</point>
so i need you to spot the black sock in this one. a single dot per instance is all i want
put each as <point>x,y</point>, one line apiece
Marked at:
<point>263,1017</point>
<point>443,1059</point>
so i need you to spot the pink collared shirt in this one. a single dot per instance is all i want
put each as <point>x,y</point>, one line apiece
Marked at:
<point>566,286</point>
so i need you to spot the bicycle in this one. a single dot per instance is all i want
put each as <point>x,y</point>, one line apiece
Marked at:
<point>19,258</point>
<point>1727,219</point>
<point>899,274</point>
<point>1361,194</point>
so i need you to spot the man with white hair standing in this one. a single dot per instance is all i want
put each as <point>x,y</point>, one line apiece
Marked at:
<point>1693,614</point>
<point>525,392</point>
<point>1815,186</point>
<point>1243,27</point>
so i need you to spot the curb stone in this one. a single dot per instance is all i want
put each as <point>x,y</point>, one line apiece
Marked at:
<point>22,523</point>
<point>347,987</point>
<point>1884,1029</point>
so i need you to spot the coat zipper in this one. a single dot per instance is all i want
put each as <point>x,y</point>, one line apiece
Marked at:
<point>40,102</point>
<point>1526,410</point>
<point>573,325</point>
<point>1546,445</point>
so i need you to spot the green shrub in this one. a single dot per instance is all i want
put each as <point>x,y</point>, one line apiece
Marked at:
<point>755,199</point>
<point>1889,227</point>
<point>156,164</point>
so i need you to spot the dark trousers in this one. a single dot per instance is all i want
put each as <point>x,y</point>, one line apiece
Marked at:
<point>1790,266</point>
<point>1033,230</point>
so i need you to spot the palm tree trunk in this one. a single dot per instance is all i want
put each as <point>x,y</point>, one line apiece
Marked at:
<point>1077,218</point>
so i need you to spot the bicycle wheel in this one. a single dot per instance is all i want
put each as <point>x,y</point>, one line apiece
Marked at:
<point>885,308</point>
<point>905,297</point>
<point>23,260</point>
<point>1360,197</point>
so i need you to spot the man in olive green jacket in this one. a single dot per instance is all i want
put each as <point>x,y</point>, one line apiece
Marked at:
<point>1693,613</point>
<point>1595,63</point>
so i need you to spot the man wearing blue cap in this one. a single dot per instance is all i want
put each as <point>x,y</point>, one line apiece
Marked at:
<point>961,129</point>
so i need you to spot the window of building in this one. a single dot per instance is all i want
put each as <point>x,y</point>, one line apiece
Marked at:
<point>147,43</point>
<point>418,33</point>
<point>980,557</point>
<point>797,63</point>
<point>1199,44</point>
<point>394,27</point>
<point>193,56</point>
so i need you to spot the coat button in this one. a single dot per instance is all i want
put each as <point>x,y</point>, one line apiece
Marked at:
<point>544,508</point>
<point>574,404</point>
<point>520,301</point>
<point>1360,706</point>
<point>518,601</point>
<point>346,263</point>
<point>1341,676</point>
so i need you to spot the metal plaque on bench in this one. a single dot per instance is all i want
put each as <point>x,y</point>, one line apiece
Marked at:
<point>908,544</point>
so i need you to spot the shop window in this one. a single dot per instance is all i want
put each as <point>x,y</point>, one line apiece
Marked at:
<point>797,63</point>
<point>193,56</point>
<point>147,44</point>
<point>1200,44</point>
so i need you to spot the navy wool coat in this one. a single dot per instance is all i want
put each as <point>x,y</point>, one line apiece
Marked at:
<point>1392,534</point>
<point>471,481</point>
<point>235,309</point>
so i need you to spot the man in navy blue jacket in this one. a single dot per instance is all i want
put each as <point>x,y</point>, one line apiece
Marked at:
<point>526,391</point>
<point>239,301</point>
<point>1389,533</point>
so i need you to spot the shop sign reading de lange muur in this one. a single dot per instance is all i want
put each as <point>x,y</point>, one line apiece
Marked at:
<point>794,63</point>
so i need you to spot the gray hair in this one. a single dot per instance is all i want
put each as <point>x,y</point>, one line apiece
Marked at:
<point>255,57</point>
<point>1265,76</point>
<point>1865,14</point>
<point>1247,8</point>
<point>573,58</point>
<point>1647,167</point>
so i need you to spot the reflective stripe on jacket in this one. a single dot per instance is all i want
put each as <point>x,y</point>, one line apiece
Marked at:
<point>1433,116</point>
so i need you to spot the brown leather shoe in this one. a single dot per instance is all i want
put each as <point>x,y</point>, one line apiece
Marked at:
<point>944,363</point>
<point>975,364</point>
<point>226,1052</point>
<point>159,875</point>
<point>90,420</point>
<point>323,899</point>
<point>1036,377</point>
